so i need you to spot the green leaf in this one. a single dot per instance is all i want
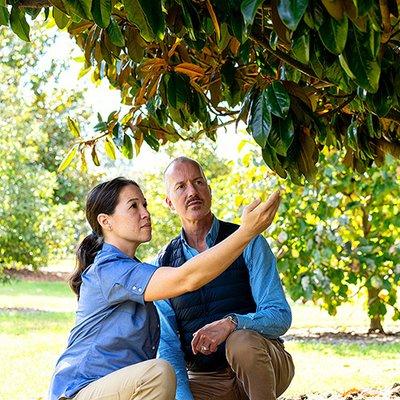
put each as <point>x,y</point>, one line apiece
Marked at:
<point>333,34</point>
<point>127,147</point>
<point>249,9</point>
<point>147,16</point>
<point>101,11</point>
<point>291,12</point>
<point>60,18</point>
<point>73,127</point>
<point>177,90</point>
<point>301,48</point>
<point>3,3</point>
<point>115,34</point>
<point>152,141</point>
<point>360,61</point>
<point>352,137</point>
<point>278,100</point>
<point>271,159</point>
<point>135,44</point>
<point>4,16</point>
<point>281,135</point>
<point>260,119</point>
<point>80,8</point>
<point>109,147</point>
<point>18,23</point>
<point>68,158</point>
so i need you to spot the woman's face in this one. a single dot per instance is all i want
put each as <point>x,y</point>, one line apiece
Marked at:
<point>130,221</point>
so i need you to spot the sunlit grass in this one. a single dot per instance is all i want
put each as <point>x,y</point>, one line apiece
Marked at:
<point>32,340</point>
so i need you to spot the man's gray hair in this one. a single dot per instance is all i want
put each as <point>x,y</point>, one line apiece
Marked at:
<point>182,159</point>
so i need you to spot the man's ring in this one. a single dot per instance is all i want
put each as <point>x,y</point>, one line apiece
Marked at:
<point>204,348</point>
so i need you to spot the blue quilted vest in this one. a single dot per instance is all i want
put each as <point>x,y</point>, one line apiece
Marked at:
<point>228,293</point>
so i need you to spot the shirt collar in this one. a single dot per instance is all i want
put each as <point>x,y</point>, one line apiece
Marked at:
<point>211,236</point>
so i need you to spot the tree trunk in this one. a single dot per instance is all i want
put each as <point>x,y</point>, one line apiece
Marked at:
<point>376,320</point>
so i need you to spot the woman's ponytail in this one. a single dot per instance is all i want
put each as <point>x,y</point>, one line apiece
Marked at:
<point>85,255</point>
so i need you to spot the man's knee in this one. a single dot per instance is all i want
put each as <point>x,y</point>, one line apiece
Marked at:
<point>244,346</point>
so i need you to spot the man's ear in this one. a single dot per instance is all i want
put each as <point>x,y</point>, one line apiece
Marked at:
<point>169,204</point>
<point>104,221</point>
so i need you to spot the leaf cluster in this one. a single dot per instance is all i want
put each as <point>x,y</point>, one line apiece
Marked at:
<point>303,74</point>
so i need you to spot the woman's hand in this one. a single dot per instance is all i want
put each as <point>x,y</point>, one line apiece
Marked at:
<point>258,215</point>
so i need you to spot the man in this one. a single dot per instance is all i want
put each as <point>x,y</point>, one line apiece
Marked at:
<point>223,339</point>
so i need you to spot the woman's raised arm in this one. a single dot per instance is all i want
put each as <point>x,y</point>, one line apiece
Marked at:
<point>169,282</point>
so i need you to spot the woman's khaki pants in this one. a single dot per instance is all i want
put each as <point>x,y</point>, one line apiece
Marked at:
<point>148,380</point>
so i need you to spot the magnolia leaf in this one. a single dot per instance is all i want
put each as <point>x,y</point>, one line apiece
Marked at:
<point>308,157</point>
<point>73,127</point>
<point>260,119</point>
<point>281,135</point>
<point>80,8</point>
<point>4,16</point>
<point>95,157</point>
<point>249,9</point>
<point>147,16</point>
<point>291,12</point>
<point>101,11</point>
<point>115,34</point>
<point>360,61</point>
<point>18,23</point>
<point>109,147</point>
<point>60,18</point>
<point>301,48</point>
<point>127,147</point>
<point>333,34</point>
<point>278,100</point>
<point>68,158</point>
<point>335,8</point>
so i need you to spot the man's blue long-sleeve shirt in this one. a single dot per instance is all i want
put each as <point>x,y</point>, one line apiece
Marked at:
<point>272,317</point>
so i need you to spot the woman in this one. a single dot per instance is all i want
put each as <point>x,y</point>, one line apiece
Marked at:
<point>111,350</point>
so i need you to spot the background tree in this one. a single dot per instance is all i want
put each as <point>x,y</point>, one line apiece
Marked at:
<point>333,239</point>
<point>304,74</point>
<point>41,213</point>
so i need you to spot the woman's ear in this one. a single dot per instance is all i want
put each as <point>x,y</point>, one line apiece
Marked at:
<point>104,221</point>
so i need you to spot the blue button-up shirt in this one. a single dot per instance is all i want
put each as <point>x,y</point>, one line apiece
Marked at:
<point>114,328</point>
<point>272,317</point>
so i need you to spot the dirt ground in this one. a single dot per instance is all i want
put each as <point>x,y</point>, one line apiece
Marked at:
<point>391,393</point>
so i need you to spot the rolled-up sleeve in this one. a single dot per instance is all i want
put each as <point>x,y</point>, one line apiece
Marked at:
<point>124,279</point>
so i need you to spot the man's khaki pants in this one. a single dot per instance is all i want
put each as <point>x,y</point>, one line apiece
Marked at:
<point>260,369</point>
<point>148,380</point>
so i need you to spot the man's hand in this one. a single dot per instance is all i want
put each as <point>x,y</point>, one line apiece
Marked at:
<point>207,339</point>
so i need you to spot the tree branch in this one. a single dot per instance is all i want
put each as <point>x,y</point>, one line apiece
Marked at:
<point>287,59</point>
<point>34,3</point>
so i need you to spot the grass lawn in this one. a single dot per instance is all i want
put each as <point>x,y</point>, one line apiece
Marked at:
<point>31,340</point>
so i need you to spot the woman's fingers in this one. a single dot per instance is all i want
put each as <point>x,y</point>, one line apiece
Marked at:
<point>251,206</point>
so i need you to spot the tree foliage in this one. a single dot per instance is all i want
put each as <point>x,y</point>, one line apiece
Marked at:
<point>333,239</point>
<point>41,212</point>
<point>303,74</point>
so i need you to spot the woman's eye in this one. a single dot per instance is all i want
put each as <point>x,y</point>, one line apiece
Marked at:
<point>134,205</point>
<point>145,205</point>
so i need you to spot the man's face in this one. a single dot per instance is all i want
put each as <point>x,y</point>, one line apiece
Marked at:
<point>188,192</point>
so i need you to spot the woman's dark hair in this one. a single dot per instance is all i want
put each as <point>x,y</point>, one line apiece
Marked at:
<point>102,199</point>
